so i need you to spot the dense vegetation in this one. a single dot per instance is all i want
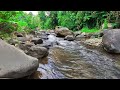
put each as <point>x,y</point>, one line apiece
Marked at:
<point>86,21</point>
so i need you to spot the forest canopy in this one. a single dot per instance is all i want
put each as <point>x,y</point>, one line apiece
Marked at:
<point>74,20</point>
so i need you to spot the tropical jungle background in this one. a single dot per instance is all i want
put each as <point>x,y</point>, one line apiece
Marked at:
<point>84,21</point>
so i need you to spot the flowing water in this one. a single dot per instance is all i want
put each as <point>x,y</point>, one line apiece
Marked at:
<point>71,60</point>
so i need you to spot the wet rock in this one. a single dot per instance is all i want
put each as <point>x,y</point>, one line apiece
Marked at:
<point>77,33</point>
<point>14,63</point>
<point>62,31</point>
<point>83,36</point>
<point>79,37</point>
<point>46,45</point>
<point>42,35</point>
<point>63,43</point>
<point>25,46</point>
<point>37,41</point>
<point>44,60</point>
<point>35,75</point>
<point>69,37</point>
<point>18,34</point>
<point>97,34</point>
<point>13,41</point>
<point>94,42</point>
<point>24,39</point>
<point>87,35</point>
<point>38,52</point>
<point>111,40</point>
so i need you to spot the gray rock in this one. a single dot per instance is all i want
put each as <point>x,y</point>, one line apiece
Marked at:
<point>69,37</point>
<point>14,63</point>
<point>13,41</point>
<point>79,37</point>
<point>38,52</point>
<point>37,41</point>
<point>46,45</point>
<point>43,36</point>
<point>97,34</point>
<point>111,40</point>
<point>77,33</point>
<point>62,31</point>
<point>25,46</point>
<point>83,36</point>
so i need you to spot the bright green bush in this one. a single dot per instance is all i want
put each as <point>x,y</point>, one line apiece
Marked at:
<point>87,30</point>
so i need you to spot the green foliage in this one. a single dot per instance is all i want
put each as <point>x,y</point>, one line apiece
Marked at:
<point>48,22</point>
<point>74,20</point>
<point>86,21</point>
<point>11,21</point>
<point>87,30</point>
<point>66,19</point>
<point>105,24</point>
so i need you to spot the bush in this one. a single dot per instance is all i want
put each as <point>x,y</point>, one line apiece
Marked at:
<point>87,30</point>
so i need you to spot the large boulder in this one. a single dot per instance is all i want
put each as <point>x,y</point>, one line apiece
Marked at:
<point>14,63</point>
<point>62,31</point>
<point>111,40</point>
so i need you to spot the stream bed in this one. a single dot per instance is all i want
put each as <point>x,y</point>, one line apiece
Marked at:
<point>72,60</point>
